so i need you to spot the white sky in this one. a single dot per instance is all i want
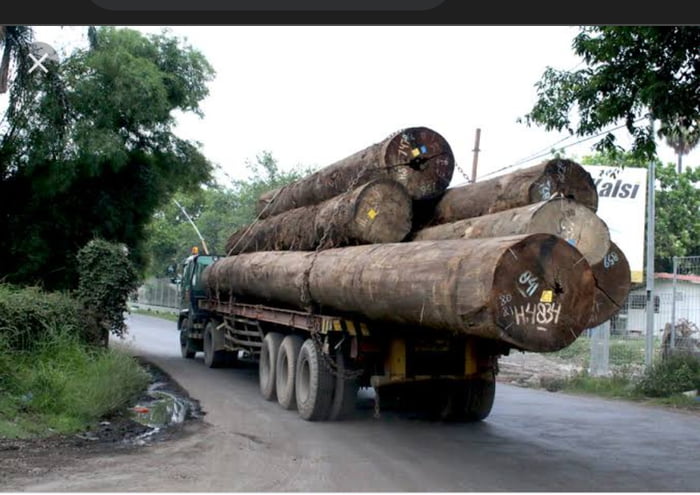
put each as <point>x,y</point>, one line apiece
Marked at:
<point>312,95</point>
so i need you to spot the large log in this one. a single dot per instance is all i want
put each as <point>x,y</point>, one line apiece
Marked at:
<point>377,212</point>
<point>418,158</point>
<point>564,217</point>
<point>522,187</point>
<point>613,283</point>
<point>534,292</point>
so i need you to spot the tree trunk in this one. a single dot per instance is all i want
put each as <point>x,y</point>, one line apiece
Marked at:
<point>377,212</point>
<point>613,283</point>
<point>564,217</point>
<point>534,292</point>
<point>552,178</point>
<point>418,158</point>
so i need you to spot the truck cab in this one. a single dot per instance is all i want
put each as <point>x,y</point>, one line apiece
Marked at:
<point>191,319</point>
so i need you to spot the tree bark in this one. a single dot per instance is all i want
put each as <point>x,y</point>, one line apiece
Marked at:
<point>522,187</point>
<point>377,212</point>
<point>418,158</point>
<point>564,217</point>
<point>613,284</point>
<point>534,292</point>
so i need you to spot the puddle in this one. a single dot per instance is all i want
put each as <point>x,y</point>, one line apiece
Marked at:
<point>162,406</point>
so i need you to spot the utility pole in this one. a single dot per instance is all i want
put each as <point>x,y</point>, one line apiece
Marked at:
<point>476,153</point>
<point>204,244</point>
<point>650,254</point>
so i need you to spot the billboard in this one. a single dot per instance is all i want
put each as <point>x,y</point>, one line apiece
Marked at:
<point>622,199</point>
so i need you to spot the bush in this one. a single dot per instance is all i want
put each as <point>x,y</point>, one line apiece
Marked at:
<point>107,277</point>
<point>677,373</point>
<point>28,316</point>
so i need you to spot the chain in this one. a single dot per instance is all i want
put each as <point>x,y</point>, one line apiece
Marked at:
<point>330,364</point>
<point>464,174</point>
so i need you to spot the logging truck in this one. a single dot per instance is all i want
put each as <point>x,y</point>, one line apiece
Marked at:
<point>427,337</point>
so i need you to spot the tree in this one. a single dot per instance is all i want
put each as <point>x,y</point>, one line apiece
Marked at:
<point>677,199</point>
<point>217,210</point>
<point>630,71</point>
<point>88,151</point>
<point>15,42</point>
<point>681,137</point>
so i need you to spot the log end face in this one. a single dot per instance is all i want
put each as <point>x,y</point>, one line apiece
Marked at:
<point>576,224</point>
<point>421,160</point>
<point>383,213</point>
<point>542,293</point>
<point>613,283</point>
<point>561,177</point>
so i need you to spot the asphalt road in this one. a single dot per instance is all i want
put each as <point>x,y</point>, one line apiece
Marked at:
<point>532,441</point>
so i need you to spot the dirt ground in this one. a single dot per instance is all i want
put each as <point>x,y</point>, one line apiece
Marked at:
<point>119,434</point>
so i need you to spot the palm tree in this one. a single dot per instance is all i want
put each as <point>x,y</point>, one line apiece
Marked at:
<point>681,135</point>
<point>15,42</point>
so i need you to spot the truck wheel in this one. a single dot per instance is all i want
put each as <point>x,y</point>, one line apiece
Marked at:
<point>480,399</point>
<point>187,349</point>
<point>313,383</point>
<point>267,364</point>
<point>469,401</point>
<point>286,371</point>
<point>345,392</point>
<point>212,358</point>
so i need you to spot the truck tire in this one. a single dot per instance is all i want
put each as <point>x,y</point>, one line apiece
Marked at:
<point>471,400</point>
<point>286,371</point>
<point>344,393</point>
<point>187,349</point>
<point>268,364</point>
<point>212,358</point>
<point>313,384</point>
<point>480,399</point>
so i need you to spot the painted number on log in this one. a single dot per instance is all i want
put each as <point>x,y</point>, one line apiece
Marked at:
<point>610,259</point>
<point>537,314</point>
<point>530,282</point>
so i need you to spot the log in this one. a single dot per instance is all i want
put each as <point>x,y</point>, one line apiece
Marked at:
<point>556,177</point>
<point>377,212</point>
<point>534,292</point>
<point>613,283</point>
<point>564,217</point>
<point>418,158</point>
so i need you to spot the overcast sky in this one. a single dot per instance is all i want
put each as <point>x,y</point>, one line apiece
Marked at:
<point>312,95</point>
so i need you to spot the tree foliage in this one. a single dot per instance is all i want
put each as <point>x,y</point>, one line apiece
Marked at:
<point>88,150</point>
<point>630,71</point>
<point>217,210</point>
<point>677,203</point>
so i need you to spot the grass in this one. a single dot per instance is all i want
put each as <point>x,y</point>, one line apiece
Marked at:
<point>158,314</point>
<point>63,386</point>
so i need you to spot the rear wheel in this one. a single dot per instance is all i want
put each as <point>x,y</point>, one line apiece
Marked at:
<point>470,400</point>
<point>212,358</point>
<point>313,383</point>
<point>345,392</point>
<point>187,349</point>
<point>268,364</point>
<point>286,371</point>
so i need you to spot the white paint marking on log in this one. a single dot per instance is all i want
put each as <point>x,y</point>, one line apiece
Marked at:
<point>542,329</point>
<point>511,252</point>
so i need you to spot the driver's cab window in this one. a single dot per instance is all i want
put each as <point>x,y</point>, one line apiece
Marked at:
<point>187,276</point>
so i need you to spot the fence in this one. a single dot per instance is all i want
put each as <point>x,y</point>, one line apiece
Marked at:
<point>158,292</point>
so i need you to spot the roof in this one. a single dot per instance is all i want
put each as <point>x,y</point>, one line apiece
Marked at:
<point>693,279</point>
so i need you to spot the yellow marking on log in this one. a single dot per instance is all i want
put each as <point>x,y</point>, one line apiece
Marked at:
<point>415,152</point>
<point>470,367</point>
<point>350,326</point>
<point>364,329</point>
<point>547,296</point>
<point>396,362</point>
<point>337,326</point>
<point>372,213</point>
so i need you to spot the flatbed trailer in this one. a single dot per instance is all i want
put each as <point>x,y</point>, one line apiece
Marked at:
<point>315,363</point>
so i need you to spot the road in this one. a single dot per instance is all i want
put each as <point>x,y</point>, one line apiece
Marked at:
<point>532,441</point>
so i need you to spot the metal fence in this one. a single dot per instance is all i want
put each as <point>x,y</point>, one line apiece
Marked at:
<point>158,292</point>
